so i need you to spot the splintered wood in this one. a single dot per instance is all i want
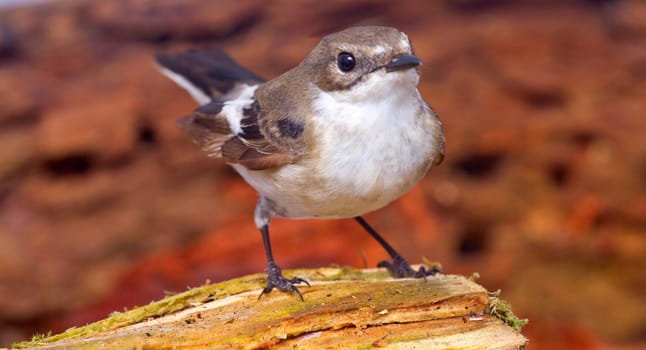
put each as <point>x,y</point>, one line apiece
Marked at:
<point>342,309</point>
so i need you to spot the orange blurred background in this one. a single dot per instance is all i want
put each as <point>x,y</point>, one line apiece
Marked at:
<point>105,204</point>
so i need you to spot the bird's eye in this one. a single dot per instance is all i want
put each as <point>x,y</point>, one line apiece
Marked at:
<point>346,62</point>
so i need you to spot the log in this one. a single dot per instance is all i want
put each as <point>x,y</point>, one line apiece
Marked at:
<point>343,308</point>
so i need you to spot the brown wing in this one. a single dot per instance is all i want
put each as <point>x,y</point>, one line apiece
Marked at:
<point>260,144</point>
<point>208,128</point>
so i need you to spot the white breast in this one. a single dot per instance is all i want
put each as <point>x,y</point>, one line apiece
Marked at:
<point>373,143</point>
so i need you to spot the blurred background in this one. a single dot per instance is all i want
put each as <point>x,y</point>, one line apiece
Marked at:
<point>105,204</point>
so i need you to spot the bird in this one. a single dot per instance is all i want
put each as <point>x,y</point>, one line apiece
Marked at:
<point>342,134</point>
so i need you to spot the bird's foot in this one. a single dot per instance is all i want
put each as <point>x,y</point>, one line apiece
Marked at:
<point>276,280</point>
<point>400,268</point>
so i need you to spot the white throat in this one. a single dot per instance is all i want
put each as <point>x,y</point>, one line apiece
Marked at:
<point>380,95</point>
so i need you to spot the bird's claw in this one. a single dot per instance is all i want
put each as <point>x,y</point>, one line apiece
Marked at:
<point>276,280</point>
<point>400,268</point>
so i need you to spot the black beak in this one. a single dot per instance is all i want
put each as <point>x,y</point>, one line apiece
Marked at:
<point>403,61</point>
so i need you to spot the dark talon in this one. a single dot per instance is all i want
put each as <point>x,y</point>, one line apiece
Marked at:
<point>276,280</point>
<point>400,268</point>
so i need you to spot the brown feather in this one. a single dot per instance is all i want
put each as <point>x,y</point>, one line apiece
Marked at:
<point>207,128</point>
<point>235,151</point>
<point>270,141</point>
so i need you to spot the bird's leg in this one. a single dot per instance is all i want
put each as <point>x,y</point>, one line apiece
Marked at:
<point>399,267</point>
<point>275,277</point>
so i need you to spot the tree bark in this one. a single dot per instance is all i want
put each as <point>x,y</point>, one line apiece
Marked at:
<point>343,308</point>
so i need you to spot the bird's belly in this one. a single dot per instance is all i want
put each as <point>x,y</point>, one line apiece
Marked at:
<point>360,180</point>
<point>341,184</point>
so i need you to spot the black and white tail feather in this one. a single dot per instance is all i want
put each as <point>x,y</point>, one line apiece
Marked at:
<point>207,74</point>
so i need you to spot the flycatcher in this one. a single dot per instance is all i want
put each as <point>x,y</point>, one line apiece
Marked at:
<point>342,134</point>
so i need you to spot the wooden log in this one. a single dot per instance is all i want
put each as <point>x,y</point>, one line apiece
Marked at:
<point>344,308</point>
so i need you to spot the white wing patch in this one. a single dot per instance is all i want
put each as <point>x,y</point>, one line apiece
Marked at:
<point>233,109</point>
